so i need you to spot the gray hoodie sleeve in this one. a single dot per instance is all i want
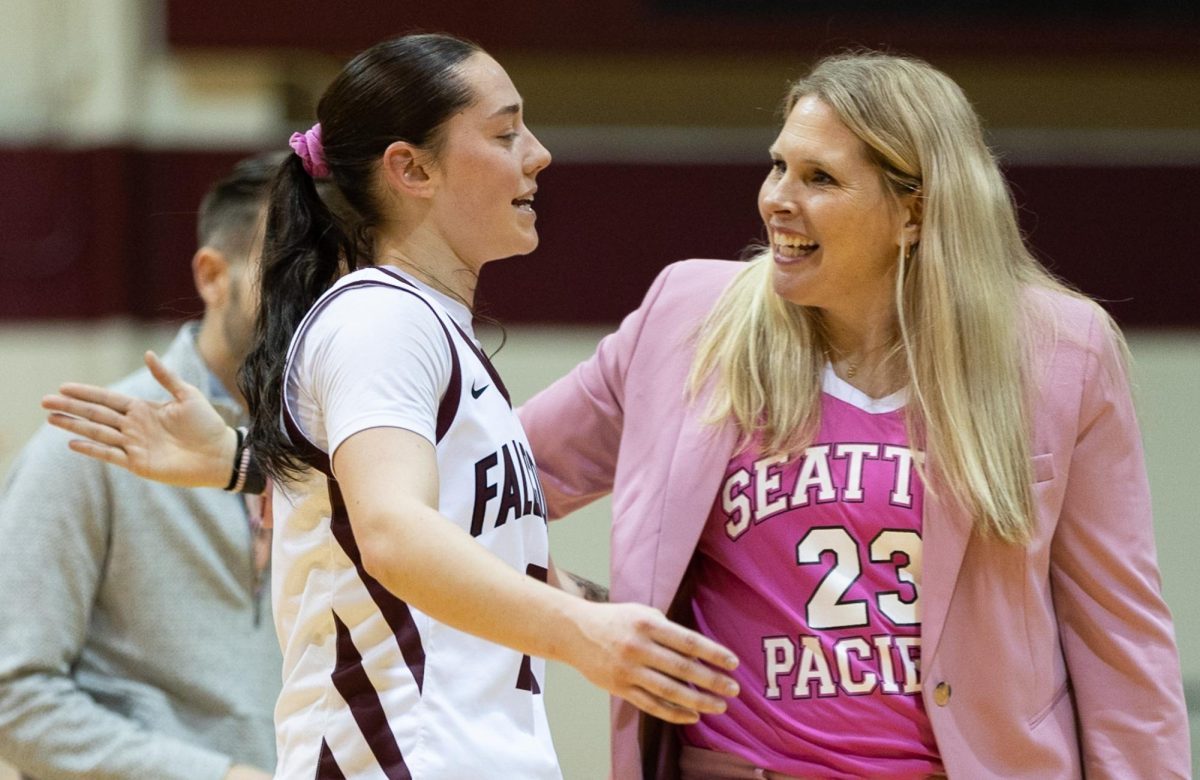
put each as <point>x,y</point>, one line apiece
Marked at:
<point>55,524</point>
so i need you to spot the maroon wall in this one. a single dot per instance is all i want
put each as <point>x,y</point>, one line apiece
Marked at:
<point>100,232</point>
<point>1005,29</point>
<point>111,231</point>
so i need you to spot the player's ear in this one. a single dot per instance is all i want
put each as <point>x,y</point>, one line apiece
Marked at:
<point>408,169</point>
<point>210,272</point>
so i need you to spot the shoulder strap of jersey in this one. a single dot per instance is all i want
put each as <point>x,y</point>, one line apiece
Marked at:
<point>309,452</point>
<point>467,340</point>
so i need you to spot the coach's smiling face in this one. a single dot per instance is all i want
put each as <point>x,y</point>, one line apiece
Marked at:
<point>835,227</point>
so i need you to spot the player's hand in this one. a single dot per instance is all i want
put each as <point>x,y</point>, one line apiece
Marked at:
<point>182,441</point>
<point>662,668</point>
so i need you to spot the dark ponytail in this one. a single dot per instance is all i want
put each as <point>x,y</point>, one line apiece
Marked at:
<point>403,89</point>
<point>302,257</point>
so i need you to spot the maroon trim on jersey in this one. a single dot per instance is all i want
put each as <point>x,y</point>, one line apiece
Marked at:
<point>327,766</point>
<point>487,364</point>
<point>395,611</point>
<point>525,678</point>
<point>307,451</point>
<point>352,682</point>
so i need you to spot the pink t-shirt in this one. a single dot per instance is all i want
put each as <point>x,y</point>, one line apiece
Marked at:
<point>809,568</point>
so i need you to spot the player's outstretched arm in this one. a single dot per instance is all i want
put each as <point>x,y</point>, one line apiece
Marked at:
<point>390,480</point>
<point>182,441</point>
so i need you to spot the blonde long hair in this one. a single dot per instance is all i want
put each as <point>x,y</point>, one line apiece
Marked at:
<point>962,317</point>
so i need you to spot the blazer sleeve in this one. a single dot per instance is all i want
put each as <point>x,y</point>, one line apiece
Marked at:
<point>574,426</point>
<point>1115,628</point>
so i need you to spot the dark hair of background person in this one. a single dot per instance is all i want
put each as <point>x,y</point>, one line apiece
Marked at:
<point>402,89</point>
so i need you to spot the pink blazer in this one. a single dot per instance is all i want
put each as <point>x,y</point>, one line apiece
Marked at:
<point>1055,660</point>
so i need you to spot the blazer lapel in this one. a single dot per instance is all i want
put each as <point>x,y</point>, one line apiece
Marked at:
<point>702,454</point>
<point>946,534</point>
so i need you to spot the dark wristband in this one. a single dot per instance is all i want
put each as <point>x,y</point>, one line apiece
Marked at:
<point>237,459</point>
<point>247,476</point>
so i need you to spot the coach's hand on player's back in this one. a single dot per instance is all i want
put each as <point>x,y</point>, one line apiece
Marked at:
<point>635,652</point>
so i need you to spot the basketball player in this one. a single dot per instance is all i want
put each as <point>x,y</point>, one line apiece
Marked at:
<point>409,575</point>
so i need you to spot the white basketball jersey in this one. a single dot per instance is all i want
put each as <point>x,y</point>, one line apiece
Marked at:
<point>374,689</point>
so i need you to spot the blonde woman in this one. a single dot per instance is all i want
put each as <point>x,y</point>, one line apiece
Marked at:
<point>890,462</point>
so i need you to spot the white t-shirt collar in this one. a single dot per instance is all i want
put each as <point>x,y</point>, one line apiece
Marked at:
<point>842,390</point>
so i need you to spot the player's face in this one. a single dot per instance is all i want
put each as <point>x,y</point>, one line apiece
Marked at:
<point>488,168</point>
<point>834,227</point>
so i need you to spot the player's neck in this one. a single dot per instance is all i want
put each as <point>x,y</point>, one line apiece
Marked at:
<point>432,262</point>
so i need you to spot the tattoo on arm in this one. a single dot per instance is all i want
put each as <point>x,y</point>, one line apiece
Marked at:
<point>591,591</point>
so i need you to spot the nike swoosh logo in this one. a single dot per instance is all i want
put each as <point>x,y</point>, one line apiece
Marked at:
<point>476,393</point>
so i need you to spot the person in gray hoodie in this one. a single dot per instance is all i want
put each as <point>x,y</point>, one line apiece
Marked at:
<point>136,638</point>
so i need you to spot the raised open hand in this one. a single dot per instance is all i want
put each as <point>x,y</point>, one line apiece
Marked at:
<point>181,442</point>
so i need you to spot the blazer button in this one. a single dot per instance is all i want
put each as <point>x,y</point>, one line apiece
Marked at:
<point>941,694</point>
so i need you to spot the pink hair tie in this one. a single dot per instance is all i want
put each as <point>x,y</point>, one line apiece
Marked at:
<point>308,148</point>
